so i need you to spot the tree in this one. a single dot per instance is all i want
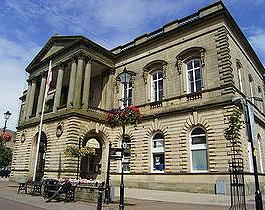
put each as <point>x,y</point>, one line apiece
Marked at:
<point>5,152</point>
<point>235,124</point>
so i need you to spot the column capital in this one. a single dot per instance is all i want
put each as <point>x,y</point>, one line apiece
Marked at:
<point>62,65</point>
<point>31,80</point>
<point>81,56</point>
<point>73,58</point>
<point>43,73</point>
<point>88,59</point>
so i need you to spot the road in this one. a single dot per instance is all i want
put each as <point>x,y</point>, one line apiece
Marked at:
<point>6,204</point>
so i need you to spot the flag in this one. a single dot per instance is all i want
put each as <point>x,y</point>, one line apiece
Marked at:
<point>49,79</point>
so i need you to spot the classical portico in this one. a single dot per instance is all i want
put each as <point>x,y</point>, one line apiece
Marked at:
<point>70,87</point>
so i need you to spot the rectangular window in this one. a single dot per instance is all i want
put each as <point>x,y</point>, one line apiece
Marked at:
<point>199,160</point>
<point>127,94</point>
<point>157,86</point>
<point>194,77</point>
<point>158,162</point>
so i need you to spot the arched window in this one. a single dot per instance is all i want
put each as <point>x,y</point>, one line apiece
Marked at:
<point>198,150</point>
<point>157,86</point>
<point>194,77</point>
<point>260,154</point>
<point>158,153</point>
<point>154,74</point>
<point>239,69</point>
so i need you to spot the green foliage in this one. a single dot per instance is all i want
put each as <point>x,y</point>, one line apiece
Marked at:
<point>74,151</point>
<point>232,133</point>
<point>5,156</point>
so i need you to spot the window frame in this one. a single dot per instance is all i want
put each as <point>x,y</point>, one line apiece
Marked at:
<point>197,147</point>
<point>239,70</point>
<point>128,88</point>
<point>193,69</point>
<point>157,151</point>
<point>156,96</point>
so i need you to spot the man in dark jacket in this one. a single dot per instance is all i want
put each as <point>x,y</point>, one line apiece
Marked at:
<point>63,189</point>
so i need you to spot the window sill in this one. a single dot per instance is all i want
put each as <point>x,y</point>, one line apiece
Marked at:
<point>194,96</point>
<point>201,171</point>
<point>155,104</point>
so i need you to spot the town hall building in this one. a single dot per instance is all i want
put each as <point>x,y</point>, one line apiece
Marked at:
<point>186,76</point>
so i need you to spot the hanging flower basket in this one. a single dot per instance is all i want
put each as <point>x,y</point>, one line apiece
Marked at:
<point>5,136</point>
<point>74,151</point>
<point>128,116</point>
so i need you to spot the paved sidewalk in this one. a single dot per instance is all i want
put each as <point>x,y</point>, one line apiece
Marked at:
<point>139,199</point>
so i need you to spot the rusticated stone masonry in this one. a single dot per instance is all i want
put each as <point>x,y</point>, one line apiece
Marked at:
<point>224,61</point>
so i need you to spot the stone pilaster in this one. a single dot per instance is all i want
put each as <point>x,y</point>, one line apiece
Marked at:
<point>59,84</point>
<point>78,82</point>
<point>70,97</point>
<point>41,94</point>
<point>31,97</point>
<point>27,100</point>
<point>86,89</point>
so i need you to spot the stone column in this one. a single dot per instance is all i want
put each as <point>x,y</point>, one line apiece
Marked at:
<point>27,101</point>
<point>86,88</point>
<point>41,94</point>
<point>78,82</point>
<point>70,97</point>
<point>59,84</point>
<point>31,98</point>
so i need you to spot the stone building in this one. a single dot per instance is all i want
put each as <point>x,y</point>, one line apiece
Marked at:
<point>185,77</point>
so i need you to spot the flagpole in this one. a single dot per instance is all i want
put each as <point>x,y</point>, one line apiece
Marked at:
<point>41,120</point>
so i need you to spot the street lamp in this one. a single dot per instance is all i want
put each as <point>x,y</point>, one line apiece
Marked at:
<point>7,115</point>
<point>124,78</point>
<point>249,123</point>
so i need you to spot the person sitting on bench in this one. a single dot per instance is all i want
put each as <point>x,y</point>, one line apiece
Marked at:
<point>62,189</point>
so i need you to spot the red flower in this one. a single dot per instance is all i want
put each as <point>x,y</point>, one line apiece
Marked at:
<point>6,136</point>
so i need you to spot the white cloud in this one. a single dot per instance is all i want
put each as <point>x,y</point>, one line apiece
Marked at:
<point>14,57</point>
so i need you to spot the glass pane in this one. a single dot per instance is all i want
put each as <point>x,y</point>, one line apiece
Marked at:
<point>160,95</point>
<point>159,136</point>
<point>189,65</point>
<point>155,76</point>
<point>192,87</point>
<point>196,63</point>
<point>158,143</point>
<point>155,86</point>
<point>199,140</point>
<point>198,85</point>
<point>190,75</point>
<point>126,167</point>
<point>197,131</point>
<point>158,162</point>
<point>198,74</point>
<point>160,84</point>
<point>160,74</point>
<point>199,160</point>
<point>129,101</point>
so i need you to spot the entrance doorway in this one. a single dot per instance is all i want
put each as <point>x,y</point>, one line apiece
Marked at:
<point>91,163</point>
<point>41,155</point>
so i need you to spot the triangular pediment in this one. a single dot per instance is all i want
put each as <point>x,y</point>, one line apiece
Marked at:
<point>53,46</point>
<point>58,45</point>
<point>53,50</point>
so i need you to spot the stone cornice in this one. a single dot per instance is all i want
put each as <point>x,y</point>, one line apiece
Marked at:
<point>77,42</point>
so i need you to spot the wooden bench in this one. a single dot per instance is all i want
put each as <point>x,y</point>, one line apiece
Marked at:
<point>33,186</point>
<point>52,185</point>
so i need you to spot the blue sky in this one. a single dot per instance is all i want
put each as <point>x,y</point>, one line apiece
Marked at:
<point>25,26</point>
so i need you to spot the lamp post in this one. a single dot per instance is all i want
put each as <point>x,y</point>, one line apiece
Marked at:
<point>258,196</point>
<point>7,115</point>
<point>124,78</point>
<point>249,123</point>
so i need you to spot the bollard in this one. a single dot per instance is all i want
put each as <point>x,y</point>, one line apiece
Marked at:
<point>100,195</point>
